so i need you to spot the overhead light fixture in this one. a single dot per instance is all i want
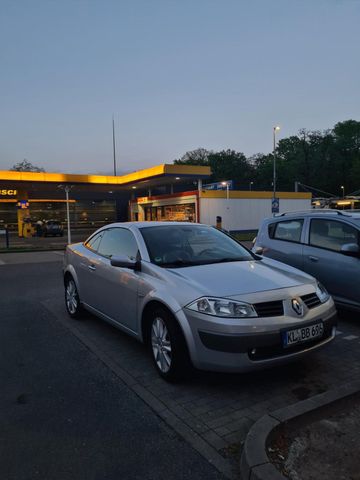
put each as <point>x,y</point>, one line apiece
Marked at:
<point>133,188</point>
<point>177,178</point>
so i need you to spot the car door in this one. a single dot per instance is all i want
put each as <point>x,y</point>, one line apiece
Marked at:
<point>285,241</point>
<point>339,273</point>
<point>87,262</point>
<point>115,289</point>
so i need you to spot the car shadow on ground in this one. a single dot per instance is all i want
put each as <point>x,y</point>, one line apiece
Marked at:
<point>298,373</point>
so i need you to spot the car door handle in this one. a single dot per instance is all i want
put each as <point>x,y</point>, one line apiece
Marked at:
<point>313,259</point>
<point>92,267</point>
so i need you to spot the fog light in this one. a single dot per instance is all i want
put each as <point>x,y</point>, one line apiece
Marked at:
<point>253,351</point>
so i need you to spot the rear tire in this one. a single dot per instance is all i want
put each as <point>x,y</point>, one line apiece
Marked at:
<point>72,299</point>
<point>167,346</point>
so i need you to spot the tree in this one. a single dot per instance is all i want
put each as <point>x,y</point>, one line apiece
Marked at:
<point>26,166</point>
<point>194,157</point>
<point>225,165</point>
<point>231,165</point>
<point>324,160</point>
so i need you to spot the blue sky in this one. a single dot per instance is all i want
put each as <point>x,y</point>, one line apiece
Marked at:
<point>176,74</point>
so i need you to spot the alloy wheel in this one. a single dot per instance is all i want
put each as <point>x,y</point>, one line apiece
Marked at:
<point>161,344</point>
<point>72,302</point>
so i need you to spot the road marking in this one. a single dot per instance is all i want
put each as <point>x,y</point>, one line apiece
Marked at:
<point>59,253</point>
<point>350,337</point>
<point>338,332</point>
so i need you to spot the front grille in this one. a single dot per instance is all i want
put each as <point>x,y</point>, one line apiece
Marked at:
<point>311,300</point>
<point>269,309</point>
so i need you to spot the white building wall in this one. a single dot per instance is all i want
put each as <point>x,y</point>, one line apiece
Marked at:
<point>245,213</point>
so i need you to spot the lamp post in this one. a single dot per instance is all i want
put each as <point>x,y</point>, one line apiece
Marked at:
<point>275,129</point>
<point>67,189</point>
<point>343,190</point>
<point>250,185</point>
<point>227,203</point>
<point>227,189</point>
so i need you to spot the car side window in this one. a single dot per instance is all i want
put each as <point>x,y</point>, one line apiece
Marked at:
<point>332,234</point>
<point>118,241</point>
<point>289,230</point>
<point>94,242</point>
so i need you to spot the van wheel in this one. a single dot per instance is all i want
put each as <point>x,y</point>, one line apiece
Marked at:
<point>167,346</point>
<point>72,299</point>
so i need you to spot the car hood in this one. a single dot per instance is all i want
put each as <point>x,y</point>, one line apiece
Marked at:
<point>237,278</point>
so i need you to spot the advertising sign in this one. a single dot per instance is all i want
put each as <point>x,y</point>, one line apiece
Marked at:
<point>219,185</point>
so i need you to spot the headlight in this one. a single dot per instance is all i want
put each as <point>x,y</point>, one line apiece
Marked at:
<point>322,293</point>
<point>222,307</point>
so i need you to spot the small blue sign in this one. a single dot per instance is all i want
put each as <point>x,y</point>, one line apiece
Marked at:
<point>275,205</point>
<point>22,204</point>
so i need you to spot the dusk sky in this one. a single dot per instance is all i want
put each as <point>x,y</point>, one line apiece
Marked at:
<point>176,74</point>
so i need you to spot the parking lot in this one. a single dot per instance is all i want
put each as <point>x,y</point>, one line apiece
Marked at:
<point>211,412</point>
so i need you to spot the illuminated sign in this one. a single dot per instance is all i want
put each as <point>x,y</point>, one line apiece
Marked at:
<point>9,192</point>
<point>23,204</point>
<point>142,199</point>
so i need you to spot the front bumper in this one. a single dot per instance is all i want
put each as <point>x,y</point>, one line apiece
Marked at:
<point>241,345</point>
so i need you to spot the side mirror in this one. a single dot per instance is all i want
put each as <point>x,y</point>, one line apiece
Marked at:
<point>124,261</point>
<point>259,250</point>
<point>350,249</point>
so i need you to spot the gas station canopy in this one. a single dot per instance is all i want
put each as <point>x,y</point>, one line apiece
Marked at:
<point>159,175</point>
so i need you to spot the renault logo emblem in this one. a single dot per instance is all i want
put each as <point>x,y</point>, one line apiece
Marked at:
<point>297,307</point>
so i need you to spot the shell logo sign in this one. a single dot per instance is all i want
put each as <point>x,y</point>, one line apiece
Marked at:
<point>8,192</point>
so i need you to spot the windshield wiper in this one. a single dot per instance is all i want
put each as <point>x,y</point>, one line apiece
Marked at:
<point>228,259</point>
<point>178,263</point>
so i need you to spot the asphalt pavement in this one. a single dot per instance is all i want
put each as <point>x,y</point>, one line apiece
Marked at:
<point>64,414</point>
<point>82,399</point>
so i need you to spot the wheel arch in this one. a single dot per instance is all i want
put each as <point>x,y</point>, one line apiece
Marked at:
<point>146,316</point>
<point>70,272</point>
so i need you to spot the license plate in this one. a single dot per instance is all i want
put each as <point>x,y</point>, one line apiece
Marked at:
<point>303,334</point>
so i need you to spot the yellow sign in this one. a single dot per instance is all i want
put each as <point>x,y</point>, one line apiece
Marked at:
<point>8,192</point>
<point>142,199</point>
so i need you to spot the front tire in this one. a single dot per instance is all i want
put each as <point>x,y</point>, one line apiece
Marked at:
<point>72,299</point>
<point>168,347</point>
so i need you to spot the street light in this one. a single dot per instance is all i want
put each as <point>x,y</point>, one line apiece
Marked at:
<point>67,189</point>
<point>227,189</point>
<point>343,190</point>
<point>273,203</point>
<point>250,185</point>
<point>275,129</point>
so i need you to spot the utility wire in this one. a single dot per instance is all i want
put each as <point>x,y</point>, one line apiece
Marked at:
<point>308,187</point>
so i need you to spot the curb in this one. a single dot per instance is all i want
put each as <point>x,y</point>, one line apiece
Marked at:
<point>254,462</point>
<point>30,250</point>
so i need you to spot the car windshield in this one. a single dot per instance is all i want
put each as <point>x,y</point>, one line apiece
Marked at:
<point>356,220</point>
<point>174,246</point>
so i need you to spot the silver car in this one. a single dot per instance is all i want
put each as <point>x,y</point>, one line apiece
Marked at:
<point>323,243</point>
<point>197,297</point>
